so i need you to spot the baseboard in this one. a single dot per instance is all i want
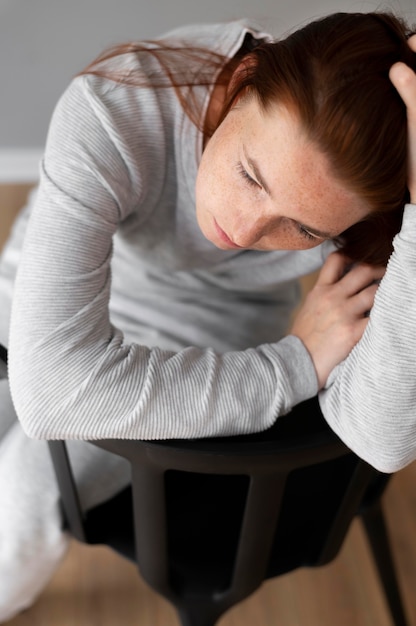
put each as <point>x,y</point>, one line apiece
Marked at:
<point>19,165</point>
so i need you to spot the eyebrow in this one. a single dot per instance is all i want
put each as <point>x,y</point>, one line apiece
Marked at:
<point>255,168</point>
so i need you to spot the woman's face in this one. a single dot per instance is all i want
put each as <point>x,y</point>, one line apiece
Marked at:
<point>262,185</point>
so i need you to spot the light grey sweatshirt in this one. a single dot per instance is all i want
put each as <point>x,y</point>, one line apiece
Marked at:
<point>128,323</point>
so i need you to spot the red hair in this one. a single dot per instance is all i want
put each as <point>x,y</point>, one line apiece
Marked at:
<point>334,74</point>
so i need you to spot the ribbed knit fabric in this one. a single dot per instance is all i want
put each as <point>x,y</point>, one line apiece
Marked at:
<point>127,323</point>
<point>370,400</point>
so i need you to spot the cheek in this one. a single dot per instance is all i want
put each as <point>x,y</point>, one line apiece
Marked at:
<point>284,243</point>
<point>202,186</point>
<point>211,188</point>
<point>206,199</point>
<point>199,186</point>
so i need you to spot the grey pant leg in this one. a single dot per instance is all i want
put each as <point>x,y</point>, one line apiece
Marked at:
<point>7,413</point>
<point>32,542</point>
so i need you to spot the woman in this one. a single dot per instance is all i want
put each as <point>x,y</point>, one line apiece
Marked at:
<point>186,186</point>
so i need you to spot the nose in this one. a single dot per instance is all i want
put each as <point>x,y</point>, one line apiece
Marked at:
<point>251,229</point>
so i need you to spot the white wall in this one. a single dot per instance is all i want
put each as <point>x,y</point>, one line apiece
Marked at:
<point>44,42</point>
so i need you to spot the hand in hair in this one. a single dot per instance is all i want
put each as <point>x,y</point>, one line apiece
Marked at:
<point>404,80</point>
<point>335,313</point>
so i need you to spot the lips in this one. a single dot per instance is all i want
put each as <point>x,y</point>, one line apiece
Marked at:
<point>224,237</point>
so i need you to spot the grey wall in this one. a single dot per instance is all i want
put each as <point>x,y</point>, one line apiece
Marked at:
<point>44,42</point>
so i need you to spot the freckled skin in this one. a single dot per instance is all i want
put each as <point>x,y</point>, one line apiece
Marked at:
<point>302,190</point>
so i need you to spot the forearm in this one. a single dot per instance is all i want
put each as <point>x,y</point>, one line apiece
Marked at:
<point>370,398</point>
<point>73,376</point>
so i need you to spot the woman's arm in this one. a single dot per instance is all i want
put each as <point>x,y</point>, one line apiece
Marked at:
<point>370,400</point>
<point>71,373</point>
<point>404,79</point>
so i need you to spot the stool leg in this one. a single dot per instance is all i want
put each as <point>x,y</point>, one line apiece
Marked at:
<point>377,535</point>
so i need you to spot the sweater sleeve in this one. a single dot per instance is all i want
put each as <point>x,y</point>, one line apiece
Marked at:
<point>370,399</point>
<point>72,375</point>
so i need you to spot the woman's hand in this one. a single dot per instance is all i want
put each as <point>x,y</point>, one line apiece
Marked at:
<point>334,315</point>
<point>404,80</point>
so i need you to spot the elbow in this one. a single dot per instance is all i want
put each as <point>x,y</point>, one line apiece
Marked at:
<point>388,455</point>
<point>389,464</point>
<point>32,398</point>
<point>32,431</point>
<point>30,412</point>
<point>382,435</point>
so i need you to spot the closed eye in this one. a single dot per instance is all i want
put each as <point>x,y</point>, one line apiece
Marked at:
<point>308,235</point>
<point>246,176</point>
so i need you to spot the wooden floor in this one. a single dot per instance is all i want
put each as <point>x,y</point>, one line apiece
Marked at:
<point>95,587</point>
<point>12,198</point>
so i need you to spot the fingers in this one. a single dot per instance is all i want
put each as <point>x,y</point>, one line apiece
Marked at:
<point>334,315</point>
<point>333,269</point>
<point>404,80</point>
<point>352,278</point>
<point>360,304</point>
<point>412,42</point>
<point>359,328</point>
<point>360,277</point>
